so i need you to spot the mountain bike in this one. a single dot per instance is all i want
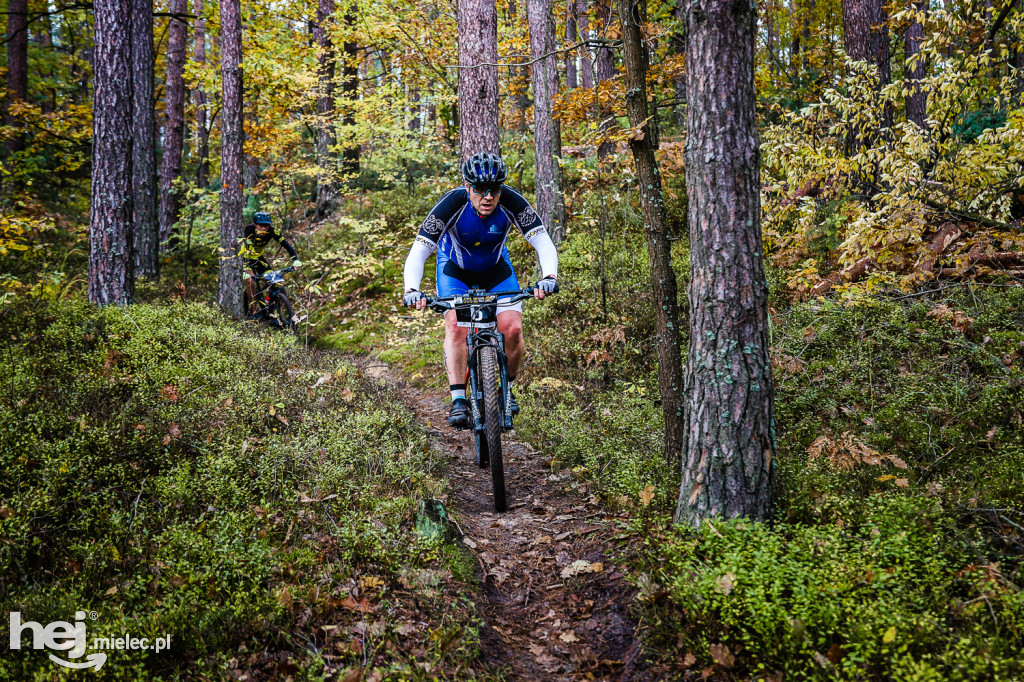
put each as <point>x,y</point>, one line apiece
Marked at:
<point>272,302</point>
<point>486,375</point>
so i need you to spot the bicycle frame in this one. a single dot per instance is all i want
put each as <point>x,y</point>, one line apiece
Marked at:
<point>267,285</point>
<point>482,307</point>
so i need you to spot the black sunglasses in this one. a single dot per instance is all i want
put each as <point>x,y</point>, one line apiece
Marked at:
<point>488,188</point>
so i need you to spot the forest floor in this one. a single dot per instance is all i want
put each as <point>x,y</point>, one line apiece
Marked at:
<point>556,600</point>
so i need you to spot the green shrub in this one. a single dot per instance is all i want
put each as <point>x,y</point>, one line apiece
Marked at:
<point>179,473</point>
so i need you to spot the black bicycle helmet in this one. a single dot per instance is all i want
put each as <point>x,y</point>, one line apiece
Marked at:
<point>484,167</point>
<point>261,218</point>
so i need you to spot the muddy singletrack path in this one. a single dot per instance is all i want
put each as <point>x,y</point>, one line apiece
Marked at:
<point>557,602</point>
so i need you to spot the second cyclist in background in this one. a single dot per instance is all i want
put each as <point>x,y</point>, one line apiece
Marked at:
<point>258,234</point>
<point>468,229</point>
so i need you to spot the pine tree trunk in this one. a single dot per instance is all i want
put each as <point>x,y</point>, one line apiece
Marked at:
<point>17,64</point>
<point>174,123</point>
<point>547,135</point>
<point>326,191</point>
<point>203,169</point>
<point>917,100</point>
<point>586,62</point>
<point>604,65</point>
<point>727,457</point>
<point>478,85</point>
<point>679,83</point>
<point>350,90</point>
<point>229,287</point>
<point>866,38</point>
<point>571,38</point>
<point>111,278</point>
<point>663,278</point>
<point>145,223</point>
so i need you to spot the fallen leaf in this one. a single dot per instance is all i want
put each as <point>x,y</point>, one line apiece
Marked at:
<point>722,655</point>
<point>322,380</point>
<point>170,392</point>
<point>725,583</point>
<point>112,591</point>
<point>689,660</point>
<point>902,482</point>
<point>370,582</point>
<point>568,637</point>
<point>347,395</point>
<point>578,566</point>
<point>363,605</point>
<point>468,542</point>
<point>646,495</point>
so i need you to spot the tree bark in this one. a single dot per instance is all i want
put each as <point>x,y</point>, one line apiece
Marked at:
<point>729,443</point>
<point>571,38</point>
<point>586,62</point>
<point>604,65</point>
<point>17,65</point>
<point>917,100</point>
<point>478,85</point>
<point>350,90</point>
<point>865,34</point>
<point>866,38</point>
<point>326,189</point>
<point>145,223</point>
<point>229,286</point>
<point>174,122</point>
<point>547,133</point>
<point>111,278</point>
<point>203,133</point>
<point>679,84</point>
<point>663,278</point>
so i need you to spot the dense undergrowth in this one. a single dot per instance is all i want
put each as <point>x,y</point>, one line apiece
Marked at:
<point>176,473</point>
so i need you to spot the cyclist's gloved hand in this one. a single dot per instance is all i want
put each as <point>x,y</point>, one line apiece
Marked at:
<point>412,297</point>
<point>296,263</point>
<point>548,285</point>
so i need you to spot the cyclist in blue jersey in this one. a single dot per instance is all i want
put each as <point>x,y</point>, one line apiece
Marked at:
<point>468,229</point>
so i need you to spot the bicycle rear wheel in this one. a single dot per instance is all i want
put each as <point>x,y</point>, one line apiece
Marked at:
<point>490,382</point>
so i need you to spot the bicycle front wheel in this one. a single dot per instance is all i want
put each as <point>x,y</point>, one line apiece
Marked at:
<point>285,314</point>
<point>491,384</point>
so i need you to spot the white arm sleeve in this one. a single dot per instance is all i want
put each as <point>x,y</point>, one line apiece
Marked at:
<point>414,262</point>
<point>547,254</point>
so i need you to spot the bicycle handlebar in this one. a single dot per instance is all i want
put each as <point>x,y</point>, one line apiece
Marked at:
<point>477,297</point>
<point>268,275</point>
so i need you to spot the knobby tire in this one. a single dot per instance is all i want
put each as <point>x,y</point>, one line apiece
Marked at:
<point>488,376</point>
<point>285,314</point>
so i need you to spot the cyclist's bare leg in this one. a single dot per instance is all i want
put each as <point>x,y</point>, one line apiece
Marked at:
<point>454,349</point>
<point>510,323</point>
<point>250,295</point>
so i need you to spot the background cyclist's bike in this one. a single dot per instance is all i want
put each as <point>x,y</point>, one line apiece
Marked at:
<point>486,376</point>
<point>271,303</point>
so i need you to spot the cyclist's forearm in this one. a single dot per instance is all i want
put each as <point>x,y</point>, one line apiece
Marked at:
<point>289,248</point>
<point>547,254</point>
<point>415,262</point>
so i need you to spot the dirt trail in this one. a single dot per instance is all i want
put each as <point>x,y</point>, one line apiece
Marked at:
<point>557,603</point>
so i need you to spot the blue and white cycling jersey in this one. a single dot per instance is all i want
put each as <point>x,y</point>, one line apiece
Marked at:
<point>471,248</point>
<point>472,242</point>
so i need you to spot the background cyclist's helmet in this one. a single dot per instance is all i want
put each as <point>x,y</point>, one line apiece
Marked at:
<point>484,168</point>
<point>261,218</point>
